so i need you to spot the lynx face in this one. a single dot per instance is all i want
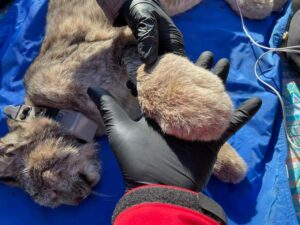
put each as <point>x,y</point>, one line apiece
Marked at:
<point>52,167</point>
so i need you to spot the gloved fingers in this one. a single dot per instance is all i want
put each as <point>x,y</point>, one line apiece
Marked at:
<point>241,116</point>
<point>205,60</point>
<point>147,37</point>
<point>132,87</point>
<point>171,40</point>
<point>222,69</point>
<point>110,110</point>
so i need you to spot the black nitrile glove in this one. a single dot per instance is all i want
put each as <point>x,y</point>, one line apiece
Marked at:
<point>147,156</point>
<point>153,28</point>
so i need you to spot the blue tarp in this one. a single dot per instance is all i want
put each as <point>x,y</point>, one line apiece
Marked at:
<point>262,198</point>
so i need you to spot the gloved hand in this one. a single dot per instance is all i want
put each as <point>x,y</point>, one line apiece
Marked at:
<point>153,28</point>
<point>147,156</point>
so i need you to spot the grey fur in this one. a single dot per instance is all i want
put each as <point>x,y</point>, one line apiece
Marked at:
<point>80,49</point>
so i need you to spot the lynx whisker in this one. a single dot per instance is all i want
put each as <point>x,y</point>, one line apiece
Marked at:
<point>101,195</point>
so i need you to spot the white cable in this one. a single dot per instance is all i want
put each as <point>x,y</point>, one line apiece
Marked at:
<point>291,49</point>
<point>255,42</point>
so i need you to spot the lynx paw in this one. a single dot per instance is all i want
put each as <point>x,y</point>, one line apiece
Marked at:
<point>187,101</point>
<point>229,166</point>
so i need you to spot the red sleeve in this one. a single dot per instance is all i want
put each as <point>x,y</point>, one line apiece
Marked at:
<point>165,205</point>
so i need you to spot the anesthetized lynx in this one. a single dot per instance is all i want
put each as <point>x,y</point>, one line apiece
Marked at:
<point>80,49</point>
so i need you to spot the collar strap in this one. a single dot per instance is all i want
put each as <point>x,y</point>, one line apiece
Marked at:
<point>73,123</point>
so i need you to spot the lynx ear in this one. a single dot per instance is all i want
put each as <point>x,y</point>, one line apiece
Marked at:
<point>8,164</point>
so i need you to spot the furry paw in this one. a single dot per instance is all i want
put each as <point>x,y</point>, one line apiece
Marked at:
<point>187,101</point>
<point>229,166</point>
<point>256,9</point>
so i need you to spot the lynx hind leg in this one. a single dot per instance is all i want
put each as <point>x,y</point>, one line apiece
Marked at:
<point>174,7</point>
<point>229,166</point>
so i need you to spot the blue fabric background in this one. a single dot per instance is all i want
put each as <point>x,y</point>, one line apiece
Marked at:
<point>262,198</point>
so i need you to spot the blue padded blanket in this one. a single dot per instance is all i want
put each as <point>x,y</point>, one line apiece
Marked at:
<point>262,198</point>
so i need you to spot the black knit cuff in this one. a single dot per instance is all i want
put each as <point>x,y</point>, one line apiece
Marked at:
<point>171,195</point>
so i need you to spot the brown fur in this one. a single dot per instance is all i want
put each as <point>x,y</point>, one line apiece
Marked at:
<point>187,101</point>
<point>50,165</point>
<point>80,49</point>
<point>228,159</point>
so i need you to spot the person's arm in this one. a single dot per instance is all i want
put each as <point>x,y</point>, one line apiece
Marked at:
<point>164,205</point>
<point>111,8</point>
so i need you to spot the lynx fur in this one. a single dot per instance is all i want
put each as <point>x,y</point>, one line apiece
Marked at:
<point>187,101</point>
<point>256,9</point>
<point>80,49</point>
